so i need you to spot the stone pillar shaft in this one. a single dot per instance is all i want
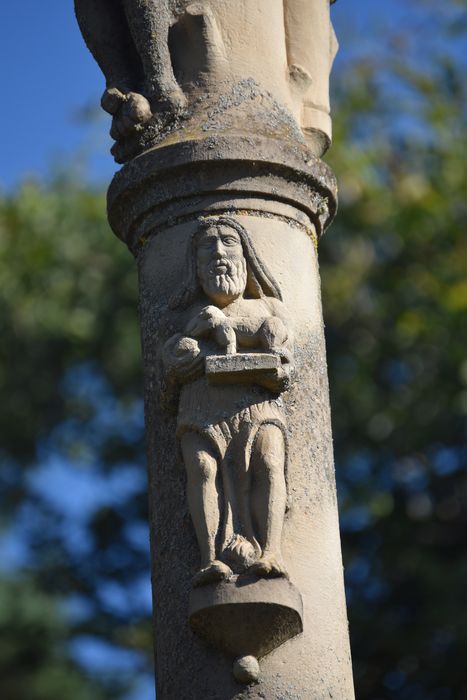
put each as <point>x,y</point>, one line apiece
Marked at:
<point>220,113</point>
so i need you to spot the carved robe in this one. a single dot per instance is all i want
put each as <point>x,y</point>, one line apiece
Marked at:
<point>229,417</point>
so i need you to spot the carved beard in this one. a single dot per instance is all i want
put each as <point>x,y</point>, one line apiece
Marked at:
<point>228,283</point>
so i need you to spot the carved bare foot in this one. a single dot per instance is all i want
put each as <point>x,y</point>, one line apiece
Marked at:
<point>268,566</point>
<point>215,571</point>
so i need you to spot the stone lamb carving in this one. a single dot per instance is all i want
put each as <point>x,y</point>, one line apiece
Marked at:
<point>156,53</point>
<point>233,360</point>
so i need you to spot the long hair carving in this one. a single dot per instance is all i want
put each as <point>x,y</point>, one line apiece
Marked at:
<point>260,282</point>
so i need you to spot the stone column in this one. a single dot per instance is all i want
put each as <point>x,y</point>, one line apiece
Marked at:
<point>220,115</point>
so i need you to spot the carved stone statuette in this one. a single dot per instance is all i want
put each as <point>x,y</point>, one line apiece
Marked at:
<point>157,54</point>
<point>233,428</point>
<point>232,361</point>
<point>220,113</point>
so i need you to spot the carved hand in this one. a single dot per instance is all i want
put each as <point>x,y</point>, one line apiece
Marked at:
<point>277,380</point>
<point>183,358</point>
<point>207,319</point>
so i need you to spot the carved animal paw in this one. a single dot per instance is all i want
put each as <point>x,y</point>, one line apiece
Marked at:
<point>268,566</point>
<point>215,571</point>
<point>206,320</point>
<point>213,315</point>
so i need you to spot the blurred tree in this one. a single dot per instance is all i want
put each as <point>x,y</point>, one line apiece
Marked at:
<point>394,272</point>
<point>395,294</point>
<point>73,500</point>
<point>33,661</point>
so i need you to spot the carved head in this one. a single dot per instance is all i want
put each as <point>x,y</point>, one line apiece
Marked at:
<point>222,263</point>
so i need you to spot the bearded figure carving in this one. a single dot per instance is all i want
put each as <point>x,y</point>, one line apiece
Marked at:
<point>231,363</point>
<point>220,115</point>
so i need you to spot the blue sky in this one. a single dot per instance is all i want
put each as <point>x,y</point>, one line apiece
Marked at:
<point>49,80</point>
<point>49,83</point>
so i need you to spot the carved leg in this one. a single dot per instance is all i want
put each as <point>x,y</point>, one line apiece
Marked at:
<point>105,30</point>
<point>203,501</point>
<point>149,25</point>
<point>272,334</point>
<point>268,498</point>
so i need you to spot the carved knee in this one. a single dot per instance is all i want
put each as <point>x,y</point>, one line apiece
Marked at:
<point>203,468</point>
<point>269,450</point>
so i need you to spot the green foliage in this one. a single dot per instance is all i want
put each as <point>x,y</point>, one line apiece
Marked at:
<point>68,304</point>
<point>395,303</point>
<point>67,294</point>
<point>33,639</point>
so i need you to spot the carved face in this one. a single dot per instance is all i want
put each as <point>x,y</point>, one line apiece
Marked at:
<point>221,264</point>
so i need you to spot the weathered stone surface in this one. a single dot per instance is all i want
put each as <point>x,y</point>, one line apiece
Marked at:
<point>247,616</point>
<point>220,110</point>
<point>238,368</point>
<point>316,662</point>
<point>251,66</point>
<point>246,669</point>
<point>241,173</point>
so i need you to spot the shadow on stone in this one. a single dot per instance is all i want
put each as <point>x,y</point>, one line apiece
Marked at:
<point>247,616</point>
